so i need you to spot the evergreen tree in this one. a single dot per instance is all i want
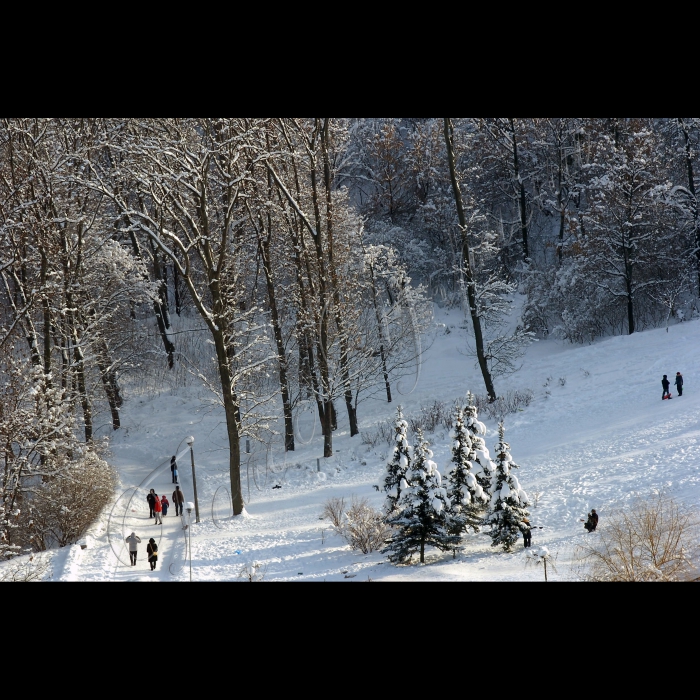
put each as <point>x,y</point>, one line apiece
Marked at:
<point>466,496</point>
<point>508,500</point>
<point>482,466</point>
<point>395,477</point>
<point>423,517</point>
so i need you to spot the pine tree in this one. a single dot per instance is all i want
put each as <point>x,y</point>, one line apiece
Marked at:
<point>396,469</point>
<point>508,500</point>
<point>467,497</point>
<point>482,466</point>
<point>423,516</point>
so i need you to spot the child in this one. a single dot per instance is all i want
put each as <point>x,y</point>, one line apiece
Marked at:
<point>665,384</point>
<point>164,504</point>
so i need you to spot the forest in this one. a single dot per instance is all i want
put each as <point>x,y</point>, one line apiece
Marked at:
<point>305,255</point>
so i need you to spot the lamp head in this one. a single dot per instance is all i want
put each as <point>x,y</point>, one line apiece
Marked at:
<point>190,440</point>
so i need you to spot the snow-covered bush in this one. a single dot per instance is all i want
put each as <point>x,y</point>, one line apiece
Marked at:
<point>62,508</point>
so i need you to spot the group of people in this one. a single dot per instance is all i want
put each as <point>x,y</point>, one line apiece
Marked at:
<point>666,384</point>
<point>526,528</point>
<point>158,507</point>
<point>133,540</point>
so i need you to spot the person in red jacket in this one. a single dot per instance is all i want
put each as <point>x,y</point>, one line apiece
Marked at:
<point>165,504</point>
<point>158,511</point>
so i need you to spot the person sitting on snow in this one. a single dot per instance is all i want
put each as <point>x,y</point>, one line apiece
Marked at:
<point>592,523</point>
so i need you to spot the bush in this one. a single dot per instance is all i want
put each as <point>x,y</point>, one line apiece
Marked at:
<point>382,432</point>
<point>65,506</point>
<point>361,526</point>
<point>510,402</point>
<point>333,509</point>
<point>365,529</point>
<point>653,540</point>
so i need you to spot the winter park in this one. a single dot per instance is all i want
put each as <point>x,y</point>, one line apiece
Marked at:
<point>349,350</point>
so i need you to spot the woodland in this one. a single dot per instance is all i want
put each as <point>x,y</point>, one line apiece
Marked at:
<point>306,254</point>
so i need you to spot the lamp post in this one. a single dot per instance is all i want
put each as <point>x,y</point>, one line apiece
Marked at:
<point>190,442</point>
<point>189,506</point>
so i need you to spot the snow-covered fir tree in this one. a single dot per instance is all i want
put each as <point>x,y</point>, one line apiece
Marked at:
<point>422,517</point>
<point>467,498</point>
<point>482,466</point>
<point>507,508</point>
<point>395,476</point>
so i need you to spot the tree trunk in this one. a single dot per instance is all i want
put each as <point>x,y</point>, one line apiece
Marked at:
<point>471,294</point>
<point>522,200</point>
<point>694,200</point>
<point>279,343</point>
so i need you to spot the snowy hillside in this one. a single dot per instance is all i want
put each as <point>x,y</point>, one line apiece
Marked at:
<point>595,434</point>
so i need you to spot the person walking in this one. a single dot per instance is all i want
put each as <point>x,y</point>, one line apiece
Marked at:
<point>173,469</point>
<point>178,500</point>
<point>158,511</point>
<point>152,549</point>
<point>679,383</point>
<point>165,504</point>
<point>151,498</point>
<point>592,523</point>
<point>665,384</point>
<point>133,541</point>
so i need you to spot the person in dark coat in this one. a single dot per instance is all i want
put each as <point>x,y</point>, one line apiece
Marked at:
<point>178,500</point>
<point>173,469</point>
<point>665,384</point>
<point>679,383</point>
<point>151,498</point>
<point>152,549</point>
<point>526,529</point>
<point>592,522</point>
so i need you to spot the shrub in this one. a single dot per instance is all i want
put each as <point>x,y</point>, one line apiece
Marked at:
<point>334,509</point>
<point>361,526</point>
<point>364,528</point>
<point>652,540</point>
<point>510,402</point>
<point>65,506</point>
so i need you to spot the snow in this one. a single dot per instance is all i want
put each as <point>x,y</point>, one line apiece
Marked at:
<point>598,441</point>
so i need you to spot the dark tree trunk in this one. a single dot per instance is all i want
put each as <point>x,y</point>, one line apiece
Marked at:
<point>522,198</point>
<point>694,199</point>
<point>471,292</point>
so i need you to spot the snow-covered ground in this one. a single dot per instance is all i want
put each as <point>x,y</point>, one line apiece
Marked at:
<point>596,435</point>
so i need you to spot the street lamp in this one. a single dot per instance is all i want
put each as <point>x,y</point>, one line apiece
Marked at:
<point>189,507</point>
<point>190,442</point>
